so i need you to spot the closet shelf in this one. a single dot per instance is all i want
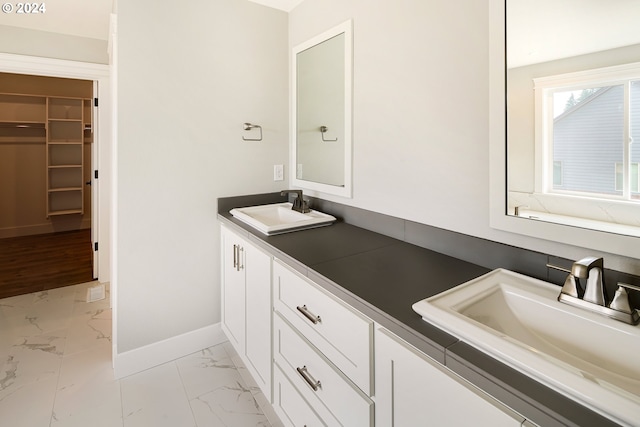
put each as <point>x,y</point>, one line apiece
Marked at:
<point>22,125</point>
<point>52,119</point>
<point>61,189</point>
<point>65,212</point>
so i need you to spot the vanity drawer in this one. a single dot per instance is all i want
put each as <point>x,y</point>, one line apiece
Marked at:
<point>342,334</point>
<point>326,389</point>
<point>290,406</point>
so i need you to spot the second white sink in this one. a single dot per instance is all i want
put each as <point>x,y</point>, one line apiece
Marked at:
<point>280,218</point>
<point>518,320</point>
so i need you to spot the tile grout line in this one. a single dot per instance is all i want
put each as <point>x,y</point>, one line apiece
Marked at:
<point>121,401</point>
<point>184,389</point>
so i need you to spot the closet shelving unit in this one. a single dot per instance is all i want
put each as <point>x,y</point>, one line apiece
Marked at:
<point>63,125</point>
<point>65,154</point>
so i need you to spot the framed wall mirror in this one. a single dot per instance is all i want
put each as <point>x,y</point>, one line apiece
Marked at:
<point>565,107</point>
<point>321,137</point>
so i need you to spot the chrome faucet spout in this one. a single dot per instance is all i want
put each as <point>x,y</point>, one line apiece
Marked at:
<point>581,268</point>
<point>591,269</point>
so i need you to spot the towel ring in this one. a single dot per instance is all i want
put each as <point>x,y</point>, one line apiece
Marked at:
<point>249,126</point>
<point>324,129</point>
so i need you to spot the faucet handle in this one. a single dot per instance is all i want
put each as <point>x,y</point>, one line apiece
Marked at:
<point>305,206</point>
<point>620,300</point>
<point>571,287</point>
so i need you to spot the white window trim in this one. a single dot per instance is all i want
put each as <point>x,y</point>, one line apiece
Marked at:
<point>637,165</point>
<point>543,88</point>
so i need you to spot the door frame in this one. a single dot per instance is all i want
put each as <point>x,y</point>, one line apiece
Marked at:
<point>101,147</point>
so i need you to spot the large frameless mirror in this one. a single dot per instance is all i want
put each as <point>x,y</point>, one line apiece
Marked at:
<point>573,112</point>
<point>565,110</point>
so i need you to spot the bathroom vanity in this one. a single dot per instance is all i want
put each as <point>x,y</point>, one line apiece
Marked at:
<point>323,320</point>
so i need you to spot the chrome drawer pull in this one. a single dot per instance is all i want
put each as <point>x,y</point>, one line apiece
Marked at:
<point>315,385</point>
<point>304,310</point>
<point>240,266</point>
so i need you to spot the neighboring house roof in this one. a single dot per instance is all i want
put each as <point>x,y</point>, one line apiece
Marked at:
<point>579,105</point>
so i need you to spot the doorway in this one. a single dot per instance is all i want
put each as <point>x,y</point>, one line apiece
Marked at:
<point>47,148</point>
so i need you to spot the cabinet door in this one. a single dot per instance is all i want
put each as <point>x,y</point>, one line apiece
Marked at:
<point>233,289</point>
<point>414,390</point>
<point>246,305</point>
<point>258,316</point>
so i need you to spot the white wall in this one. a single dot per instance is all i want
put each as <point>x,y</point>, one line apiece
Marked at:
<point>23,41</point>
<point>421,113</point>
<point>189,76</point>
<point>420,105</point>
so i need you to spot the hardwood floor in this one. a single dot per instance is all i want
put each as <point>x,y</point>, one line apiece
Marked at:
<point>46,261</point>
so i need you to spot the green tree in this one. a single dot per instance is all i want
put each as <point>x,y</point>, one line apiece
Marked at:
<point>584,94</point>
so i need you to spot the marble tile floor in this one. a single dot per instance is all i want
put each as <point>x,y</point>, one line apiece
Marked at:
<point>55,354</point>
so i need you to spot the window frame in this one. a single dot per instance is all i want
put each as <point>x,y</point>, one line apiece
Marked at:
<point>544,88</point>
<point>635,176</point>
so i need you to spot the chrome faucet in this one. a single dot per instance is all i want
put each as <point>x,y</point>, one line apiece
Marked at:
<point>590,269</point>
<point>594,297</point>
<point>299,204</point>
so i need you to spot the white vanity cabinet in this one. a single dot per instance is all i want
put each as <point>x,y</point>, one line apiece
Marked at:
<point>414,390</point>
<point>322,353</point>
<point>246,304</point>
<point>316,357</point>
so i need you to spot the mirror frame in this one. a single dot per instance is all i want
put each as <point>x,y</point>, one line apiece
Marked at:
<point>346,190</point>
<point>598,240</point>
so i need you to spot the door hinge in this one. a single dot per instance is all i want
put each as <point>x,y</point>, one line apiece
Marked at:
<point>95,102</point>
<point>95,174</point>
<point>95,246</point>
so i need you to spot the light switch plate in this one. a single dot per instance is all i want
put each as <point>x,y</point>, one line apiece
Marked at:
<point>278,172</point>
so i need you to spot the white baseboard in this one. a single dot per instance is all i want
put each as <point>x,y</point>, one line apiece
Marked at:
<point>140,359</point>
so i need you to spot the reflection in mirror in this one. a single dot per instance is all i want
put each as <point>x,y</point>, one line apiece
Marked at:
<point>573,113</point>
<point>320,112</point>
<point>321,122</point>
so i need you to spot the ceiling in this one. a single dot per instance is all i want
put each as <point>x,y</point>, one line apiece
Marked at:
<point>285,5</point>
<point>544,30</point>
<point>88,18</point>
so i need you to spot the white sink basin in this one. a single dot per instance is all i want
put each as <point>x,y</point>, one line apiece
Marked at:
<point>280,218</point>
<point>518,320</point>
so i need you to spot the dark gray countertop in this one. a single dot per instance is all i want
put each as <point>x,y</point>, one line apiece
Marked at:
<point>382,277</point>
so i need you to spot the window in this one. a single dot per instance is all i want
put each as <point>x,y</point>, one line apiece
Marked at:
<point>587,122</point>
<point>635,178</point>
<point>557,173</point>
